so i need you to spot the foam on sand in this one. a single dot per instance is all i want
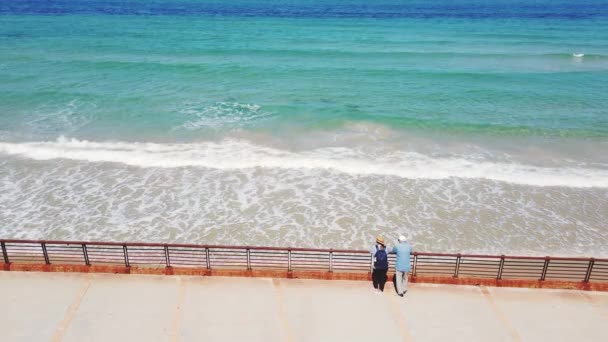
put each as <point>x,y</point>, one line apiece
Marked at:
<point>236,154</point>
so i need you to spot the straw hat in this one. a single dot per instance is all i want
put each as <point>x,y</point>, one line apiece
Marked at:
<point>380,240</point>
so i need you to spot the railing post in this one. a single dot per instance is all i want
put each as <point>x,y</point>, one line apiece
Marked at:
<point>545,267</point>
<point>371,263</point>
<point>331,256</point>
<point>500,267</point>
<point>415,264</point>
<point>126,254</point>
<point>248,259</point>
<point>457,266</point>
<point>85,253</point>
<point>4,252</point>
<point>207,258</point>
<point>167,259</point>
<point>589,270</point>
<point>289,260</point>
<point>45,253</point>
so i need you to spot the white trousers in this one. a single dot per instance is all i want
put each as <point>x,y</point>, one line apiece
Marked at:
<point>401,281</point>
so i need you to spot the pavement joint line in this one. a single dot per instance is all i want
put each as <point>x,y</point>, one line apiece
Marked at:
<point>595,304</point>
<point>501,315</point>
<point>72,309</point>
<point>177,320</point>
<point>400,320</point>
<point>280,298</point>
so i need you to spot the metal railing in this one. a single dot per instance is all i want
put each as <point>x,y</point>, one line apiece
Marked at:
<point>499,267</point>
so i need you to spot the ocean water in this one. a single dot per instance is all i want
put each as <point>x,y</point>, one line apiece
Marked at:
<point>467,125</point>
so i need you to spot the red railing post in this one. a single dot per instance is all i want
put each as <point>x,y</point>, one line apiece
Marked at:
<point>126,255</point>
<point>545,267</point>
<point>248,259</point>
<point>589,270</point>
<point>207,258</point>
<point>4,252</point>
<point>457,266</point>
<point>85,253</point>
<point>167,258</point>
<point>45,253</point>
<point>500,267</point>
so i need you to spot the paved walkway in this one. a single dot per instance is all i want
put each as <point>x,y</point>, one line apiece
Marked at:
<point>98,307</point>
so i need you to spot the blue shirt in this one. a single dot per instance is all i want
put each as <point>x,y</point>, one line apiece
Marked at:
<point>403,251</point>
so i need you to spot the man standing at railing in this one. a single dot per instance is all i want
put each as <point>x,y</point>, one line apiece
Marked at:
<point>402,265</point>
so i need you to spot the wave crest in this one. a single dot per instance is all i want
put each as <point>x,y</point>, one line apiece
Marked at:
<point>236,154</point>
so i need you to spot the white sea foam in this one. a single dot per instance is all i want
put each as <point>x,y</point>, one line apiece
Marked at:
<point>220,115</point>
<point>63,199</point>
<point>63,117</point>
<point>235,155</point>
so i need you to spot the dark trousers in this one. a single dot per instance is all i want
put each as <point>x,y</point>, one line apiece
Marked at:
<point>379,279</point>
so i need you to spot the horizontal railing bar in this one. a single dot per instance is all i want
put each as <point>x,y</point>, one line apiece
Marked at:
<point>74,253</point>
<point>493,273</point>
<point>511,265</point>
<point>188,256</point>
<point>265,257</point>
<point>565,273</point>
<point>177,252</point>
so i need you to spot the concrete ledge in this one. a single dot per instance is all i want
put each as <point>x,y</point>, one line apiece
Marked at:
<point>321,275</point>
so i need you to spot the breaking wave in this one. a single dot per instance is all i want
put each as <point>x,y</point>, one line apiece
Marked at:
<point>237,154</point>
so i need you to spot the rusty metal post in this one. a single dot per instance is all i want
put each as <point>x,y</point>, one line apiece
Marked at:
<point>207,258</point>
<point>589,270</point>
<point>4,252</point>
<point>545,267</point>
<point>457,266</point>
<point>126,254</point>
<point>500,267</point>
<point>331,257</point>
<point>85,253</point>
<point>167,259</point>
<point>248,259</point>
<point>45,253</point>
<point>289,260</point>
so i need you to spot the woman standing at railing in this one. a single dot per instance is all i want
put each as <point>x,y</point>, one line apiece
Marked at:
<point>380,264</point>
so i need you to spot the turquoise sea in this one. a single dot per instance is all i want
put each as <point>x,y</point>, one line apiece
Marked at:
<point>466,125</point>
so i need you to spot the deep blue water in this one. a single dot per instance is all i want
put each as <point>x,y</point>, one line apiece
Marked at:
<point>318,8</point>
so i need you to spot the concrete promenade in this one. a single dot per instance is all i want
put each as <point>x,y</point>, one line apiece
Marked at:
<point>111,307</point>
